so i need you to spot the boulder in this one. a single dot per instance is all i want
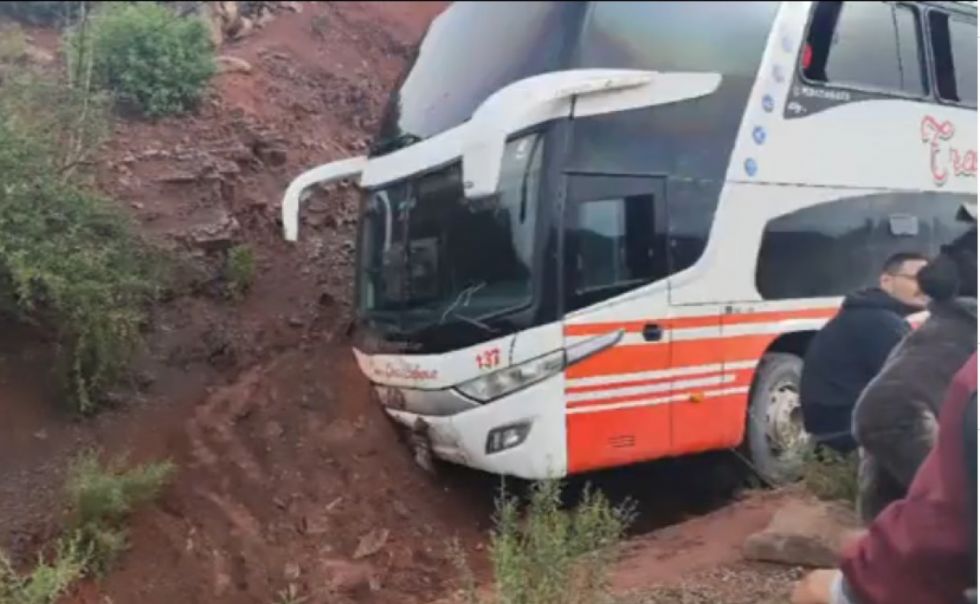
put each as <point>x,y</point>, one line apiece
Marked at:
<point>38,56</point>
<point>804,533</point>
<point>348,577</point>
<point>230,64</point>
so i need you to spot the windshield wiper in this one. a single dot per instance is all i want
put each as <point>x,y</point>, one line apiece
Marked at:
<point>485,327</point>
<point>467,293</point>
<point>394,143</point>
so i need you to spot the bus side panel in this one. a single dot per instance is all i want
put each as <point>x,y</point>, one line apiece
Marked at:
<point>615,414</point>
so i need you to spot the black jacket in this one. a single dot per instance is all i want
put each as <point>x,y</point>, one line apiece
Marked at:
<point>843,357</point>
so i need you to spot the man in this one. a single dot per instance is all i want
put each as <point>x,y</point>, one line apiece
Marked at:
<point>850,350</point>
<point>922,549</point>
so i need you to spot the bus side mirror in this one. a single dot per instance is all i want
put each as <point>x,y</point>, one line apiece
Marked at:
<point>325,174</point>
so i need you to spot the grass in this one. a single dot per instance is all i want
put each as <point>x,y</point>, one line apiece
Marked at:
<point>100,497</point>
<point>240,270</point>
<point>49,579</point>
<point>290,595</point>
<point>550,555</point>
<point>103,496</point>
<point>831,476</point>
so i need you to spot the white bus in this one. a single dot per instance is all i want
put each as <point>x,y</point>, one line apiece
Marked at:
<point>599,233</point>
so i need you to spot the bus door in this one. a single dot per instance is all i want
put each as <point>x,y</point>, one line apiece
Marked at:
<point>615,264</point>
<point>695,322</point>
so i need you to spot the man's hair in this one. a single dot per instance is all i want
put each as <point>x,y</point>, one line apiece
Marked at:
<point>895,261</point>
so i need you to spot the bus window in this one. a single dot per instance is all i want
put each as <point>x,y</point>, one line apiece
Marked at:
<point>834,248</point>
<point>614,240</point>
<point>866,45</point>
<point>954,50</point>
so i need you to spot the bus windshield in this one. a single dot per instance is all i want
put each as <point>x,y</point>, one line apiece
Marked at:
<point>430,257</point>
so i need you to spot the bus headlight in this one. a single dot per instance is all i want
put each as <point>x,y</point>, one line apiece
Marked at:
<point>499,383</point>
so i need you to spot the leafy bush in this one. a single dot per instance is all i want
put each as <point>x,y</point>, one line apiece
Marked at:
<point>240,270</point>
<point>64,123</point>
<point>831,476</point>
<point>101,494</point>
<point>551,556</point>
<point>149,57</point>
<point>71,262</point>
<point>48,580</point>
<point>102,497</point>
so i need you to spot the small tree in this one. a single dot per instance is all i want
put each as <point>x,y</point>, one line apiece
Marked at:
<point>153,60</point>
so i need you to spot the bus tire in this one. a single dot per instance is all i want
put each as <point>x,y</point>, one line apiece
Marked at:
<point>774,434</point>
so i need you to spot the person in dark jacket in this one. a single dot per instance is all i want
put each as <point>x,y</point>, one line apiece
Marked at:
<point>921,549</point>
<point>850,350</point>
<point>895,417</point>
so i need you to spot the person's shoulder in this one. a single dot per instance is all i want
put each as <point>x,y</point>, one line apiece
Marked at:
<point>877,316</point>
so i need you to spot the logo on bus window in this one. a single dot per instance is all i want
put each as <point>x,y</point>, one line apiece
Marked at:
<point>945,159</point>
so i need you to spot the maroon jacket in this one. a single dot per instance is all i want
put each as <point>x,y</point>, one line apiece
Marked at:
<point>919,550</point>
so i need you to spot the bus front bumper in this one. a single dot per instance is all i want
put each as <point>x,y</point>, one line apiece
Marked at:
<point>520,435</point>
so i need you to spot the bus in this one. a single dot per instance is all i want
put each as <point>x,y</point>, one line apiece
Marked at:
<point>600,233</point>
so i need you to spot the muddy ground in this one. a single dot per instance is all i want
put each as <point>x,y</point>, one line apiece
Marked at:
<point>289,474</point>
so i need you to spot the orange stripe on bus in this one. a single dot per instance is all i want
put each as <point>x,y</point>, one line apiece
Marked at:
<point>616,438</point>
<point>625,436</point>
<point>715,423</point>
<point>592,329</point>
<point>645,382</point>
<point>684,353</point>
<point>742,378</point>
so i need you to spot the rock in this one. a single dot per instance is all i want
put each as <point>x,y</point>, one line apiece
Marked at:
<point>38,55</point>
<point>178,176</point>
<point>274,430</point>
<point>265,17</point>
<point>348,577</point>
<point>230,64</point>
<point>296,7</point>
<point>245,28</point>
<point>401,509</point>
<point>273,155</point>
<point>291,571</point>
<point>215,236</point>
<point>316,525</point>
<point>212,19</point>
<point>371,543</point>
<point>803,533</point>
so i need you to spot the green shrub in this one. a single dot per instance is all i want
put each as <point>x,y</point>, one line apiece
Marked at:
<point>831,476</point>
<point>65,124</point>
<point>149,57</point>
<point>101,497</point>
<point>101,494</point>
<point>48,580</point>
<point>240,270</point>
<point>68,259</point>
<point>553,556</point>
<point>72,263</point>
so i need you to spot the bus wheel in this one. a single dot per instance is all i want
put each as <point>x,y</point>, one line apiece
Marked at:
<point>775,437</point>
